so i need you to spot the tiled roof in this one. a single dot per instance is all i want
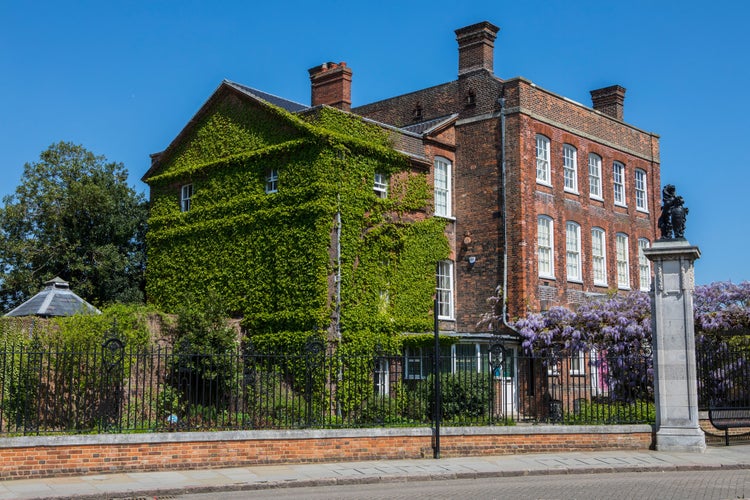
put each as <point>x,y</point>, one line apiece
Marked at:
<point>428,125</point>
<point>291,106</point>
<point>55,300</point>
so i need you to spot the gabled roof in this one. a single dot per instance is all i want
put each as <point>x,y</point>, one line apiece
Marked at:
<point>56,299</point>
<point>262,97</point>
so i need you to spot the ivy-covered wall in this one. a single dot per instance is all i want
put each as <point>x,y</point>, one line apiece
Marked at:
<point>272,257</point>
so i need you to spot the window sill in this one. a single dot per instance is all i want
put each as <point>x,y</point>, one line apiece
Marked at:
<point>446,318</point>
<point>596,198</point>
<point>544,183</point>
<point>600,284</point>
<point>621,205</point>
<point>570,191</point>
<point>575,280</point>
<point>642,210</point>
<point>447,217</point>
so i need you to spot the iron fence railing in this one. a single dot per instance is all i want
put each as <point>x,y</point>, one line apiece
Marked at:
<point>723,371</point>
<point>111,388</point>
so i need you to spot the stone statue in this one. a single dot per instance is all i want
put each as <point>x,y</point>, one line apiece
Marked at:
<point>673,214</point>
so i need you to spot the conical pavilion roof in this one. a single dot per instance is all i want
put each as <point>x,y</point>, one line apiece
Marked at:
<point>56,299</point>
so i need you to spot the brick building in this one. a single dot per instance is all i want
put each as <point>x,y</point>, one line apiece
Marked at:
<point>547,198</point>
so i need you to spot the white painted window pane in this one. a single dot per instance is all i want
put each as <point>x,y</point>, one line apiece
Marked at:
<point>544,244</point>
<point>573,250</point>
<point>640,190</point>
<point>618,178</point>
<point>623,275</point>
<point>570,168</point>
<point>442,188</point>
<point>445,289</point>
<point>598,257</point>
<point>542,159</point>
<point>595,176</point>
<point>644,266</point>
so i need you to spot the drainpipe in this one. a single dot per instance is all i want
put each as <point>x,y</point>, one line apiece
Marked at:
<point>504,313</point>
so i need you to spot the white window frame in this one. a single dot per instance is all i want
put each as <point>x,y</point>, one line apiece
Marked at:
<point>545,240</point>
<point>414,358</point>
<point>382,376</point>
<point>186,196</point>
<point>622,259</point>
<point>618,183</point>
<point>474,360</point>
<point>272,181</point>
<point>442,182</point>
<point>641,196</point>
<point>543,173</point>
<point>445,289</point>
<point>380,185</point>
<point>570,168</point>
<point>573,251</point>
<point>578,363</point>
<point>595,176</point>
<point>644,265</point>
<point>599,256</point>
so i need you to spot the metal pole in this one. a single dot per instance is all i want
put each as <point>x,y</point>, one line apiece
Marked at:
<point>436,376</point>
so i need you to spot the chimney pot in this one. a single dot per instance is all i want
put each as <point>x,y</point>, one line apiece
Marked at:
<point>609,100</point>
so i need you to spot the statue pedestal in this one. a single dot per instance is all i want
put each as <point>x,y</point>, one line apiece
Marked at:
<point>675,376</point>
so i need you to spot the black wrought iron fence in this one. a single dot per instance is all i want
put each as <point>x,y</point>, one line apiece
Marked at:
<point>111,388</point>
<point>723,366</point>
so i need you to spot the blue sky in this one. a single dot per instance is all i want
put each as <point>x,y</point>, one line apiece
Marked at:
<point>123,78</point>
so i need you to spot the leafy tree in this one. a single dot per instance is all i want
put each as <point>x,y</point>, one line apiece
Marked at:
<point>74,216</point>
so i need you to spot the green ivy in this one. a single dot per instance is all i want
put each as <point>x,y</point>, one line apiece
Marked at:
<point>270,258</point>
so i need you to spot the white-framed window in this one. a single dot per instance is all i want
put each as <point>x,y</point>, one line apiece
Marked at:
<point>578,363</point>
<point>599,256</point>
<point>382,375</point>
<point>570,168</point>
<point>272,180</point>
<point>415,366</point>
<point>186,194</point>
<point>471,358</point>
<point>445,289</point>
<point>641,200</point>
<point>543,175</point>
<point>381,185</point>
<point>442,187</point>
<point>595,176</point>
<point>644,266</point>
<point>621,255</point>
<point>573,251</point>
<point>618,182</point>
<point>545,241</point>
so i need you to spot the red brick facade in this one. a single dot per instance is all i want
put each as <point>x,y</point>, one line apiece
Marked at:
<point>495,193</point>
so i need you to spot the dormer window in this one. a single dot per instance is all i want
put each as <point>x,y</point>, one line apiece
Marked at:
<point>381,185</point>
<point>186,194</point>
<point>272,181</point>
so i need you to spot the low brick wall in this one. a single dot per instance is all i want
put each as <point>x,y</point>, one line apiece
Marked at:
<point>95,454</point>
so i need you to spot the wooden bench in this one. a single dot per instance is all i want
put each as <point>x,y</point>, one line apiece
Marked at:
<point>725,418</point>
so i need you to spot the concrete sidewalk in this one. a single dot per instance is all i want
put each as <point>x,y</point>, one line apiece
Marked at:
<point>152,484</point>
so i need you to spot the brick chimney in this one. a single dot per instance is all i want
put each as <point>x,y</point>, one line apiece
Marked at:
<point>476,46</point>
<point>609,100</point>
<point>331,84</point>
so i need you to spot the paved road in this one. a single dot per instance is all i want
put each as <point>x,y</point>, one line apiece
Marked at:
<point>714,484</point>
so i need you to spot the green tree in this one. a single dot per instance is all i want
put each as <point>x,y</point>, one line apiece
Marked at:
<point>74,216</point>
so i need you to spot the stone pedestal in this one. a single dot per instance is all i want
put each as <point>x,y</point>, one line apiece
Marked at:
<point>675,376</point>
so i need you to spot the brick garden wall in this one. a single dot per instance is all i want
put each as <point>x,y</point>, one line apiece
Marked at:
<point>26,457</point>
